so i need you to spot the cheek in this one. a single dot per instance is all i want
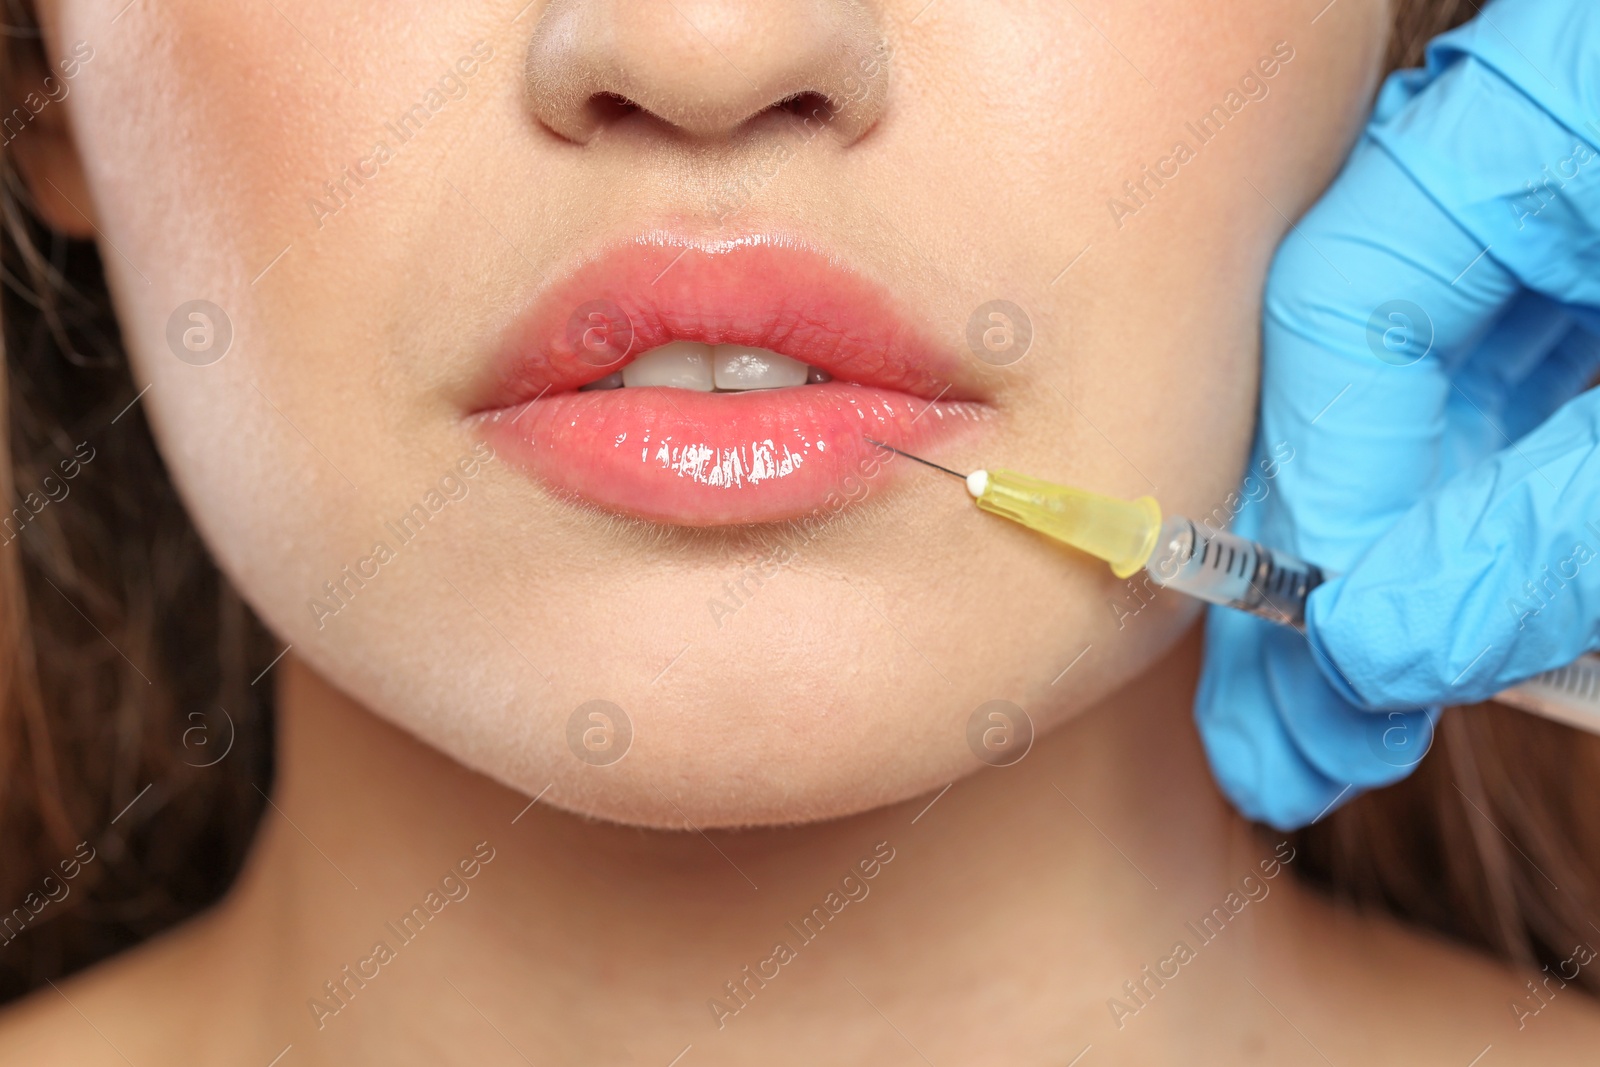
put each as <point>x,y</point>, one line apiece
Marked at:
<point>207,128</point>
<point>1142,291</point>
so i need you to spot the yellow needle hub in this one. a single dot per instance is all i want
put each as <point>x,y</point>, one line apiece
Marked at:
<point>1121,532</point>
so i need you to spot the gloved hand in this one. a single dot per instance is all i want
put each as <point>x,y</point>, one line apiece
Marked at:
<point>1427,341</point>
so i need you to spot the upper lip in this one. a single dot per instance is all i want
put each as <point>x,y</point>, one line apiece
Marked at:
<point>774,293</point>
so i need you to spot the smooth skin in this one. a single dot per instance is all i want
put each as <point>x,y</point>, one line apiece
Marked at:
<point>828,715</point>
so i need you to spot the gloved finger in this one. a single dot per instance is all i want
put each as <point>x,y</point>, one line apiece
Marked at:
<point>1489,406</point>
<point>1369,310</point>
<point>1376,303</point>
<point>1490,580</point>
<point>1259,767</point>
<point>1282,740</point>
<point>1342,740</point>
<point>1366,463</point>
<point>1570,368</point>
<point>1442,179</point>
<point>1500,128</point>
<point>1497,93</point>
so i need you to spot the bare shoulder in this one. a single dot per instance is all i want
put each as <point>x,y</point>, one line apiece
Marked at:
<point>1409,996</point>
<point>127,1009</point>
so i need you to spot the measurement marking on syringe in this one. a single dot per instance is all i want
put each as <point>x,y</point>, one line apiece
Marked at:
<point>1571,680</point>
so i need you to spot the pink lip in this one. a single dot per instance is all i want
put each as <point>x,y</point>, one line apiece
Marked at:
<point>705,459</point>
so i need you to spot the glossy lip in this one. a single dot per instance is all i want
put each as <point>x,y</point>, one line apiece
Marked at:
<point>704,459</point>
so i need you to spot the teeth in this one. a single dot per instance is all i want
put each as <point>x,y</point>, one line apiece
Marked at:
<point>704,368</point>
<point>738,367</point>
<point>678,365</point>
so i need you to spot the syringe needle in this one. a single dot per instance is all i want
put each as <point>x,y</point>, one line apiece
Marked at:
<point>918,459</point>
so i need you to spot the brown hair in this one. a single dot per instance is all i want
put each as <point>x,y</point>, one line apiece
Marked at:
<point>1416,22</point>
<point>123,652</point>
<point>127,664</point>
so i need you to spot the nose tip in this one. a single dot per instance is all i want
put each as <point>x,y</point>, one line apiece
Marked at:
<point>705,68</point>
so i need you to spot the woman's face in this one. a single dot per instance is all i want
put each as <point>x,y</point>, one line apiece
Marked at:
<point>1017,234</point>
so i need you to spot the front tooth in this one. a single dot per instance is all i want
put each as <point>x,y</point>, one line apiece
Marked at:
<point>676,365</point>
<point>739,367</point>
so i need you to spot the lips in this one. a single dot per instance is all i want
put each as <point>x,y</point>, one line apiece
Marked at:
<point>693,458</point>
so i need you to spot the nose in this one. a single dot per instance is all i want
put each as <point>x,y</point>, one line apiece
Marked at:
<point>706,67</point>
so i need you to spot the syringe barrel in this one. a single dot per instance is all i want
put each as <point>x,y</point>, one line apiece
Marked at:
<point>1226,569</point>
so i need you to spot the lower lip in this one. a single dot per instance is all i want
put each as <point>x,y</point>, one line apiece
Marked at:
<point>716,459</point>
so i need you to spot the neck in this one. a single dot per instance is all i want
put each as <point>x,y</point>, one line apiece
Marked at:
<point>403,902</point>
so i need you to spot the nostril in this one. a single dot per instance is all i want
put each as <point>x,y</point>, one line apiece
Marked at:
<point>642,64</point>
<point>807,105</point>
<point>606,108</point>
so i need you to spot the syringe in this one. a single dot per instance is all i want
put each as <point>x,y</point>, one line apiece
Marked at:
<point>1222,568</point>
<point>1212,565</point>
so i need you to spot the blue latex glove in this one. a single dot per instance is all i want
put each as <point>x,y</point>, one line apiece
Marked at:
<point>1427,341</point>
